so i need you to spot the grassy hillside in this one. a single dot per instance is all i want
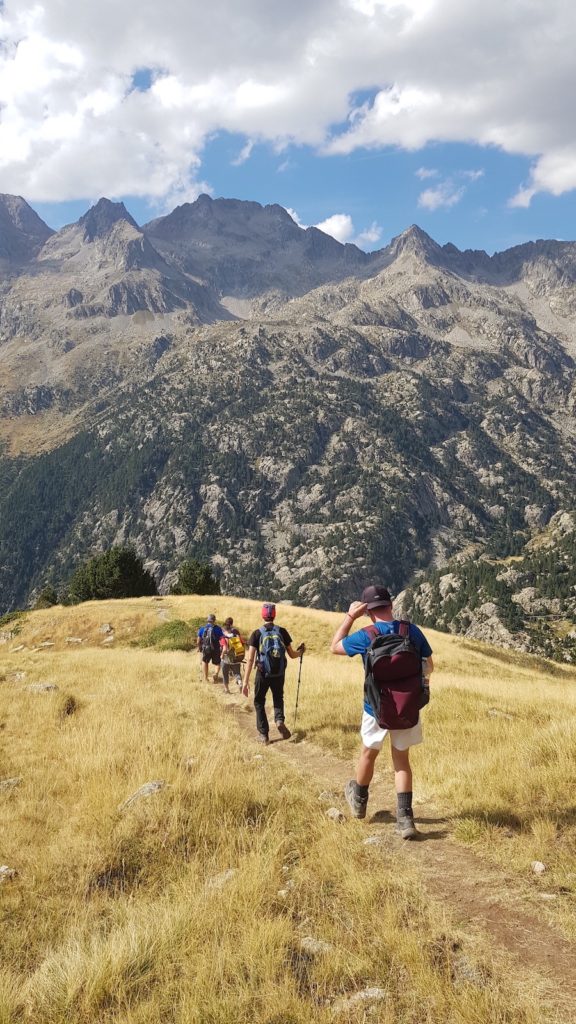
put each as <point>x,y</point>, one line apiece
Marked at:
<point>197,903</point>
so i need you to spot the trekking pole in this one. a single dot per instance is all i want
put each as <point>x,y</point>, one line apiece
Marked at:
<point>298,691</point>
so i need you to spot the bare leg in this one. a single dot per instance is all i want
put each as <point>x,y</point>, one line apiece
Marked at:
<point>402,770</point>
<point>365,769</point>
<point>205,670</point>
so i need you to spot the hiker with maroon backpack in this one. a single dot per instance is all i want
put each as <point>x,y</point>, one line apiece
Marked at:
<point>396,654</point>
<point>268,646</point>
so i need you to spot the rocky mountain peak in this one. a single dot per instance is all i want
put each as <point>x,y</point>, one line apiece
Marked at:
<point>22,231</point>
<point>228,217</point>
<point>414,241</point>
<point>100,218</point>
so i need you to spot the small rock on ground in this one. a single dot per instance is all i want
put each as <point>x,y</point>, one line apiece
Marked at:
<point>74,640</point>
<point>538,867</point>
<point>374,841</point>
<point>41,687</point>
<point>146,790</point>
<point>466,972</point>
<point>315,946</point>
<point>335,815</point>
<point>219,881</point>
<point>10,783</point>
<point>367,995</point>
<point>105,628</point>
<point>6,873</point>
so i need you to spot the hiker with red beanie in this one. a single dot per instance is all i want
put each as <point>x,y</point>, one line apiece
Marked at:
<point>394,692</point>
<point>268,646</point>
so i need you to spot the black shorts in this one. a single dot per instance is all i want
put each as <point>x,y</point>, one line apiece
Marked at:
<point>214,658</point>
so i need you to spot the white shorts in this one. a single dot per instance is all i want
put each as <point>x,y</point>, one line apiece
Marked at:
<point>373,736</point>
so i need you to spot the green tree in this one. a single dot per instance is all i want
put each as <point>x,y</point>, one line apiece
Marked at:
<point>46,598</point>
<point>119,572</point>
<point>196,577</point>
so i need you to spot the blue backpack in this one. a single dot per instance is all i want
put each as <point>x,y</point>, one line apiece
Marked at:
<point>271,652</point>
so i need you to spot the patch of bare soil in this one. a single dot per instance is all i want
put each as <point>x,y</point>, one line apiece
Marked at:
<point>479,896</point>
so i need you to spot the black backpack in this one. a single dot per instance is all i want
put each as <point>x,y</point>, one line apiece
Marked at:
<point>210,642</point>
<point>393,680</point>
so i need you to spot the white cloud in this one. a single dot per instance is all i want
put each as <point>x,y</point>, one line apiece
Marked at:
<point>339,225</point>
<point>426,172</point>
<point>369,236</point>
<point>444,196</point>
<point>448,192</point>
<point>295,217</point>
<point>73,126</point>
<point>244,154</point>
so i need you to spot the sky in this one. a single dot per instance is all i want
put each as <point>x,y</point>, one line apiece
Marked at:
<point>359,116</point>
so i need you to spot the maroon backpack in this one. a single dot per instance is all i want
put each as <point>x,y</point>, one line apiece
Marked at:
<point>393,679</point>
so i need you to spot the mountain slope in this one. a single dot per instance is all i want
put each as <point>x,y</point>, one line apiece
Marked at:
<point>306,415</point>
<point>22,232</point>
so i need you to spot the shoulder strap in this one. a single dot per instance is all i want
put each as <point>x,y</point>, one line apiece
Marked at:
<point>371,631</point>
<point>404,627</point>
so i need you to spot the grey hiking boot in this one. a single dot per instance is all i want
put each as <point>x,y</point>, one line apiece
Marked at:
<point>261,738</point>
<point>405,825</point>
<point>357,804</point>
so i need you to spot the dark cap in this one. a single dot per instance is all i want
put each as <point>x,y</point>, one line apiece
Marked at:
<point>211,618</point>
<point>376,597</point>
<point>268,611</point>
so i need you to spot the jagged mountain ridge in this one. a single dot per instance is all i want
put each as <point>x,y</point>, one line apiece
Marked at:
<point>253,401</point>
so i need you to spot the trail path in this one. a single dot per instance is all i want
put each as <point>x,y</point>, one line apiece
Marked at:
<point>479,896</point>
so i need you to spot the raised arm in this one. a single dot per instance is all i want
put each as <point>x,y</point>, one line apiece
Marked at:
<point>356,610</point>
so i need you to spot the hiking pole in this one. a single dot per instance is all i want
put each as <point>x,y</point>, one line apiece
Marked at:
<point>298,691</point>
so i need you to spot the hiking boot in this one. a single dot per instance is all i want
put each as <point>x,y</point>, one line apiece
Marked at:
<point>283,730</point>
<point>261,738</point>
<point>357,804</point>
<point>405,825</point>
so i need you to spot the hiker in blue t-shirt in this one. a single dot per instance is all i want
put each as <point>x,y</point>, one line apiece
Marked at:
<point>377,604</point>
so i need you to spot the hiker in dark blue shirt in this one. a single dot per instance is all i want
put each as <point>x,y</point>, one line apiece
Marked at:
<point>377,604</point>
<point>209,637</point>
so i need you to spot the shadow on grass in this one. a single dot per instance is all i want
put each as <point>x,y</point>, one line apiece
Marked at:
<point>509,820</point>
<point>385,817</point>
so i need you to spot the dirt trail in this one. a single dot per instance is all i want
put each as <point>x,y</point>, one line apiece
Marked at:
<point>479,895</point>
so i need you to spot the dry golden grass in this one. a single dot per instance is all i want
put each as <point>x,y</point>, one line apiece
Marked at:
<point>114,917</point>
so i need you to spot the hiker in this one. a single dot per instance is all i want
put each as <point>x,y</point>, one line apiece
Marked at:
<point>208,643</point>
<point>377,604</point>
<point>268,646</point>
<point>232,648</point>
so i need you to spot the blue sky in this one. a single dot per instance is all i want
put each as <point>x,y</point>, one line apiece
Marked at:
<point>381,187</point>
<point>360,116</point>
